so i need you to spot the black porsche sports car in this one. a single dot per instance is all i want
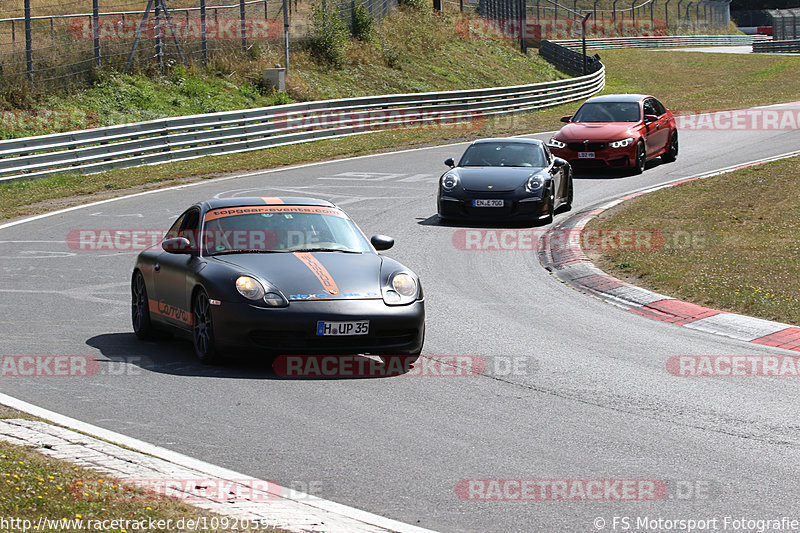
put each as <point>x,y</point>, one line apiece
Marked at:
<point>286,275</point>
<point>502,179</point>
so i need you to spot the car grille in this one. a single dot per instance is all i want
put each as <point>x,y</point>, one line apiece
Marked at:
<point>587,147</point>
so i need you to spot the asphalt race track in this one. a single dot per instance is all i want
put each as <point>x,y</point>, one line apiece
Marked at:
<point>590,397</point>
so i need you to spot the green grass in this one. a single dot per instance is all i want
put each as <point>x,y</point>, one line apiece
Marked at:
<point>33,486</point>
<point>744,257</point>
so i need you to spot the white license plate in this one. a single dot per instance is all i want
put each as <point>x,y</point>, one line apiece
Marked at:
<point>487,203</point>
<point>585,155</point>
<point>357,327</point>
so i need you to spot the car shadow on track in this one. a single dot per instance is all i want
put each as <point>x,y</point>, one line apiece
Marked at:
<point>126,355</point>
<point>611,173</point>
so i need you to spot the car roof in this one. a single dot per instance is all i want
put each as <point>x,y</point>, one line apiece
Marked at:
<point>507,140</point>
<point>619,98</point>
<point>217,203</point>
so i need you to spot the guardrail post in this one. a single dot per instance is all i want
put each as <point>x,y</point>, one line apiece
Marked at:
<point>242,26</point>
<point>203,33</point>
<point>96,31</point>
<point>286,35</point>
<point>159,44</point>
<point>652,18</point>
<point>28,40</point>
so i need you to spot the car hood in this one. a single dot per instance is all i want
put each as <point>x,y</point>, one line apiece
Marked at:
<point>595,131</point>
<point>494,179</point>
<point>314,276</point>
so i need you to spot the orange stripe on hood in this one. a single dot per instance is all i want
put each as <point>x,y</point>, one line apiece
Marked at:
<point>319,271</point>
<point>269,200</point>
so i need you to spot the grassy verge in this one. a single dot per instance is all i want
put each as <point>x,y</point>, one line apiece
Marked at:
<point>687,81</point>
<point>744,253</point>
<point>410,51</point>
<point>34,486</point>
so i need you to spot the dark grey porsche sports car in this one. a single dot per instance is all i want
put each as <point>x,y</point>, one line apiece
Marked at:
<point>505,179</point>
<point>286,275</point>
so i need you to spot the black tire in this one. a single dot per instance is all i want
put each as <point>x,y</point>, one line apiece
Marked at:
<point>203,330</point>
<point>551,203</point>
<point>672,152</point>
<point>570,194</point>
<point>641,158</point>
<point>140,308</point>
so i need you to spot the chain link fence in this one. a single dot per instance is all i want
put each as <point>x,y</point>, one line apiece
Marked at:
<point>63,42</point>
<point>785,24</point>
<point>550,19</point>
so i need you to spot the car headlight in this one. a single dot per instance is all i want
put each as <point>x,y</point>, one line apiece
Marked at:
<point>250,288</point>
<point>554,143</point>
<point>449,181</point>
<point>535,183</point>
<point>402,289</point>
<point>624,143</point>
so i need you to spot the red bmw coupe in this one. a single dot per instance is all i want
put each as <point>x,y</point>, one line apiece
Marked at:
<point>617,131</point>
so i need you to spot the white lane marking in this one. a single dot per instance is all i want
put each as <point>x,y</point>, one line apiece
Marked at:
<point>216,471</point>
<point>101,214</point>
<point>363,176</point>
<point>237,176</point>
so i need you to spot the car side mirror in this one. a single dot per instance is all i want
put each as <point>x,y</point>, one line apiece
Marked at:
<point>650,118</point>
<point>178,245</point>
<point>381,242</point>
<point>566,118</point>
<point>449,162</point>
<point>558,162</point>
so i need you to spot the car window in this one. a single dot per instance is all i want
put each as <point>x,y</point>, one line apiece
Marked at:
<point>504,154</point>
<point>608,112</point>
<point>281,229</point>
<point>658,106</point>
<point>190,226</point>
<point>174,230</point>
<point>649,109</point>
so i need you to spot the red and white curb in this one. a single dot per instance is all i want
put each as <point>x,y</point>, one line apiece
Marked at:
<point>570,264</point>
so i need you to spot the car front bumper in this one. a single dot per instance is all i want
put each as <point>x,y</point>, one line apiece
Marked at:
<point>526,208</point>
<point>293,329</point>
<point>604,158</point>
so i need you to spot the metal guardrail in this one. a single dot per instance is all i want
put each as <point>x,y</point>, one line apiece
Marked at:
<point>777,46</point>
<point>567,58</point>
<point>669,41</point>
<point>188,137</point>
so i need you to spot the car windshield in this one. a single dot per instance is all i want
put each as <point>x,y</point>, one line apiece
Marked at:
<point>276,229</point>
<point>608,112</point>
<point>503,154</point>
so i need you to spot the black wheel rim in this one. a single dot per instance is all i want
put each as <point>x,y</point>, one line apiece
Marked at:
<point>202,324</point>
<point>138,302</point>
<point>674,146</point>
<point>640,158</point>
